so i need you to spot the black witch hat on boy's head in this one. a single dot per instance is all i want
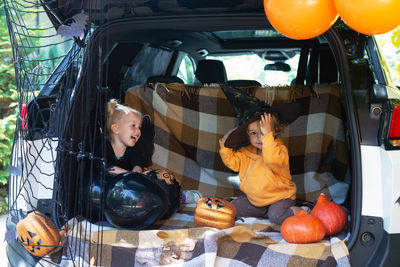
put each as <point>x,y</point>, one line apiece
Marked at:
<point>249,108</point>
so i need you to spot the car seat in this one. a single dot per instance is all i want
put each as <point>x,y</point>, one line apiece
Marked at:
<point>210,71</point>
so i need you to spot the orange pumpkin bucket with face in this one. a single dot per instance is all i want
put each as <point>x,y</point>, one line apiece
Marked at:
<point>214,212</point>
<point>38,234</point>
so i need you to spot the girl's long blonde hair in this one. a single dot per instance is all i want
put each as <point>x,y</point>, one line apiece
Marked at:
<point>115,111</point>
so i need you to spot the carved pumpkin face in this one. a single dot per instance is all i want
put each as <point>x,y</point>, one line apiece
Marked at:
<point>168,177</point>
<point>214,212</point>
<point>38,234</point>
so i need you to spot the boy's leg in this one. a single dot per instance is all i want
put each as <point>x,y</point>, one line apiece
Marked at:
<point>245,209</point>
<point>280,210</point>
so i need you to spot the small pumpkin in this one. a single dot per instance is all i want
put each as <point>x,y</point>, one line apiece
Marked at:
<point>214,212</point>
<point>332,215</point>
<point>38,234</point>
<point>302,228</point>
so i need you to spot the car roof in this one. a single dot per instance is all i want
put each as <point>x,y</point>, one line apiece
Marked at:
<point>100,12</point>
<point>196,42</point>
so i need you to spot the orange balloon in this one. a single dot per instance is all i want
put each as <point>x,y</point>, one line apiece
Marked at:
<point>301,19</point>
<point>370,16</point>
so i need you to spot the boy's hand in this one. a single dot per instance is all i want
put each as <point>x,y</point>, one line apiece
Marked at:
<point>227,134</point>
<point>265,123</point>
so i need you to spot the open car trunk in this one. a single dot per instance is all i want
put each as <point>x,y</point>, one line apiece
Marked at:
<point>189,120</point>
<point>132,52</point>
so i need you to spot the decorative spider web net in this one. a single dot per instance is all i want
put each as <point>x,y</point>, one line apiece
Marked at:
<point>49,168</point>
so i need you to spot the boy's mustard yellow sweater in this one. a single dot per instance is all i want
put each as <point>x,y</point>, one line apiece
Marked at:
<point>264,178</point>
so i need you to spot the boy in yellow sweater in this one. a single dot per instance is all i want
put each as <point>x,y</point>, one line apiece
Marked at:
<point>262,161</point>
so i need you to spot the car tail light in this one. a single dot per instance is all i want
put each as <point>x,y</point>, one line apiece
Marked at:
<point>394,132</point>
<point>24,117</point>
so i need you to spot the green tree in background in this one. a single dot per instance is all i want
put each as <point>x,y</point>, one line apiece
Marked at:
<point>36,41</point>
<point>8,107</point>
<point>396,43</point>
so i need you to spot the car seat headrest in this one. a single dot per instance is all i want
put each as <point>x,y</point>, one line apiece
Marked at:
<point>328,71</point>
<point>210,71</point>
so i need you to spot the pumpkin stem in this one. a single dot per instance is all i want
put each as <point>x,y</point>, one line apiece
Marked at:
<point>301,213</point>
<point>322,198</point>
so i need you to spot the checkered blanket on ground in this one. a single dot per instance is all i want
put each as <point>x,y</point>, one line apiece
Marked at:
<point>251,242</point>
<point>189,120</point>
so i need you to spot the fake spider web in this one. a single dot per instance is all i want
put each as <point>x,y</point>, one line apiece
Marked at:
<point>48,52</point>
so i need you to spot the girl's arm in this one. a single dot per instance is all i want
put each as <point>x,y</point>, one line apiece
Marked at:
<point>230,158</point>
<point>223,139</point>
<point>115,170</point>
<point>137,169</point>
<point>274,153</point>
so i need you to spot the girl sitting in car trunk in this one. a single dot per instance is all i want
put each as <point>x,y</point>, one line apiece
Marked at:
<point>254,151</point>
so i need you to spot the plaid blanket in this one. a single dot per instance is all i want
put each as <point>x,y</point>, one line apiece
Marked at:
<point>251,242</point>
<point>189,120</point>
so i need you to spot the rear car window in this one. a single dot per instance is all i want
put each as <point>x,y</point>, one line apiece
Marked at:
<point>252,66</point>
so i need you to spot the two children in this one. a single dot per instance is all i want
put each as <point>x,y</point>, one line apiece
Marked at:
<point>252,149</point>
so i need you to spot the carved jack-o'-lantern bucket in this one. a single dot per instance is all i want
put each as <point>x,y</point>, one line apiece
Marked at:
<point>214,212</point>
<point>38,234</point>
<point>172,189</point>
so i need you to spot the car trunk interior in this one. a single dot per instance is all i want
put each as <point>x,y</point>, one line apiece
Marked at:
<point>123,55</point>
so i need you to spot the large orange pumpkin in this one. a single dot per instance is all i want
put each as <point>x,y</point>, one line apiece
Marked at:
<point>302,228</point>
<point>214,212</point>
<point>38,234</point>
<point>332,215</point>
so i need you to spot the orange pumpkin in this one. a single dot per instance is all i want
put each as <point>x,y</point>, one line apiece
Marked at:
<point>38,234</point>
<point>332,215</point>
<point>302,228</point>
<point>214,212</point>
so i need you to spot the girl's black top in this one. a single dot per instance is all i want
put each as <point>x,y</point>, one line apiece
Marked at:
<point>131,158</point>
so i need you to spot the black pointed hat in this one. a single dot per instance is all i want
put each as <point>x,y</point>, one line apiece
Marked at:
<point>249,108</point>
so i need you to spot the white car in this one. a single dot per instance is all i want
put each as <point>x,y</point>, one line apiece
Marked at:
<point>168,59</point>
